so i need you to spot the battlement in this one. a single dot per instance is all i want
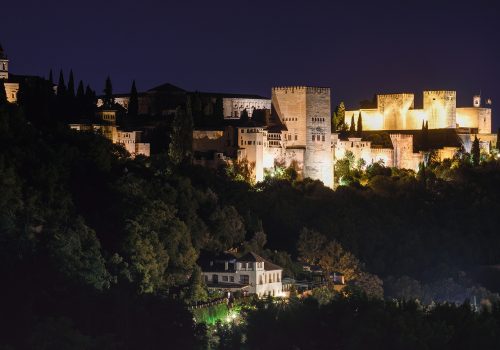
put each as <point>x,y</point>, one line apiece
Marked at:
<point>440,93</point>
<point>401,137</point>
<point>301,89</point>
<point>395,95</point>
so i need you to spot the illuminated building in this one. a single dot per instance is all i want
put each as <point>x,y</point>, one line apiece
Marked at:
<point>440,111</point>
<point>11,87</point>
<point>250,274</point>
<point>131,140</point>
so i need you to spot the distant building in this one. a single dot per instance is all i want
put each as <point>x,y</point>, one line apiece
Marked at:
<point>131,140</point>
<point>250,274</point>
<point>11,85</point>
<point>164,100</point>
<point>440,111</point>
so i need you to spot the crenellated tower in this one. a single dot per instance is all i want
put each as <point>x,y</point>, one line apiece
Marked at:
<point>441,109</point>
<point>306,112</point>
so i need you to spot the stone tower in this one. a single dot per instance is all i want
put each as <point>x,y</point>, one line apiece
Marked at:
<point>306,113</point>
<point>440,108</point>
<point>4,65</point>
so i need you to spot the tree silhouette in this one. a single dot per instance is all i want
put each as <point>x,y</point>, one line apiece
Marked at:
<point>133,105</point>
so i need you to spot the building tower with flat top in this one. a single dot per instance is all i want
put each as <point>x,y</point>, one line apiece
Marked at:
<point>306,113</point>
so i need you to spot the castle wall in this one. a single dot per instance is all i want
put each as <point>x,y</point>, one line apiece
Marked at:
<point>208,140</point>
<point>372,118</point>
<point>360,149</point>
<point>473,117</point>
<point>233,107</point>
<point>385,155</point>
<point>440,107</point>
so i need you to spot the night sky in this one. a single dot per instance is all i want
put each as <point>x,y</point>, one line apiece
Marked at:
<point>249,46</point>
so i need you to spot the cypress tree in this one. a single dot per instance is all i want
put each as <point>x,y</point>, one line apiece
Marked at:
<point>352,128</point>
<point>71,85</point>
<point>181,138</point>
<point>360,125</point>
<point>475,152</point>
<point>90,102</point>
<point>338,118</point>
<point>244,117</point>
<point>80,93</point>
<point>61,86</point>
<point>498,139</point>
<point>108,93</point>
<point>80,99</point>
<point>51,79</point>
<point>133,105</point>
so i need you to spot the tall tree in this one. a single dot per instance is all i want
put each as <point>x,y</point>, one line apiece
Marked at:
<point>360,125</point>
<point>61,86</point>
<point>180,148</point>
<point>109,101</point>
<point>498,139</point>
<point>51,78</point>
<point>475,152</point>
<point>244,116</point>
<point>90,102</point>
<point>338,118</point>
<point>80,93</point>
<point>71,84</point>
<point>352,128</point>
<point>80,99</point>
<point>133,105</point>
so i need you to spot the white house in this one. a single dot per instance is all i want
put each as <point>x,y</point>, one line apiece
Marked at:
<point>251,273</point>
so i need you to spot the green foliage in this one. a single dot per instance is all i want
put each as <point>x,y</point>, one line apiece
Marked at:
<point>196,289</point>
<point>181,138</point>
<point>241,170</point>
<point>211,314</point>
<point>76,250</point>
<point>338,119</point>
<point>354,322</point>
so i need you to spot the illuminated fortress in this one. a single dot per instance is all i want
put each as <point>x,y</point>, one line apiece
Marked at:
<point>396,112</point>
<point>298,132</point>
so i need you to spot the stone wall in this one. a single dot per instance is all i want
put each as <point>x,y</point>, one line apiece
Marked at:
<point>473,117</point>
<point>233,107</point>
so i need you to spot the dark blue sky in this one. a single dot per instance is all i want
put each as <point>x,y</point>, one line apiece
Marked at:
<point>356,49</point>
